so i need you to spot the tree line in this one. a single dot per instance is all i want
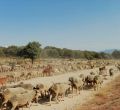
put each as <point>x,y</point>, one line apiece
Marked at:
<point>34,50</point>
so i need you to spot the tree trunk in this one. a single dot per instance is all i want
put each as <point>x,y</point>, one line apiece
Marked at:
<point>32,60</point>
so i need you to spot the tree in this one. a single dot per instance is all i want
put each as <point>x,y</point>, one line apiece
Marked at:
<point>11,51</point>
<point>51,53</point>
<point>116,54</point>
<point>31,50</point>
<point>67,53</point>
<point>105,55</point>
<point>88,55</point>
<point>1,52</point>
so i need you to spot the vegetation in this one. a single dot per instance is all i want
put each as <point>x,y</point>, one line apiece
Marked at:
<point>33,50</point>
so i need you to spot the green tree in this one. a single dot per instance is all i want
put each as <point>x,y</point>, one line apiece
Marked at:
<point>105,55</point>
<point>51,52</point>
<point>11,51</point>
<point>67,53</point>
<point>1,52</point>
<point>88,55</point>
<point>31,50</point>
<point>116,54</point>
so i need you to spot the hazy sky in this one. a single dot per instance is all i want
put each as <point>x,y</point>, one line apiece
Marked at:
<point>75,24</point>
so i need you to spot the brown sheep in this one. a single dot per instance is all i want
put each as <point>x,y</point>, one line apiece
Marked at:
<point>9,92</point>
<point>98,80</point>
<point>43,89</point>
<point>76,83</point>
<point>58,89</point>
<point>89,79</point>
<point>22,99</point>
<point>111,71</point>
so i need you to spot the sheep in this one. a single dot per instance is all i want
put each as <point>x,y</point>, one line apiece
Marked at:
<point>111,71</point>
<point>118,67</point>
<point>76,83</point>
<point>22,99</point>
<point>9,92</point>
<point>16,76</point>
<point>102,70</point>
<point>83,76</point>
<point>28,75</point>
<point>3,80</point>
<point>25,86</point>
<point>89,79</point>
<point>5,68</point>
<point>47,70</point>
<point>58,89</point>
<point>10,78</point>
<point>98,80</point>
<point>43,89</point>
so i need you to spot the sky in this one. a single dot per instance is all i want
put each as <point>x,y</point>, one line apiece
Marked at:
<point>74,24</point>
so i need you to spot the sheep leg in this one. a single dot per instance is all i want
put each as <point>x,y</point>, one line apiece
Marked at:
<point>56,98</point>
<point>63,95</point>
<point>79,90</point>
<point>50,99</point>
<point>72,91</point>
<point>29,105</point>
<point>95,87</point>
<point>14,106</point>
<point>5,102</point>
<point>76,91</point>
<point>36,99</point>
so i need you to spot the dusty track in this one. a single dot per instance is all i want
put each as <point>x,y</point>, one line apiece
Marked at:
<point>68,103</point>
<point>108,98</point>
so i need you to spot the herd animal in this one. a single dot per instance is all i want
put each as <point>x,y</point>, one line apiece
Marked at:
<point>23,70</point>
<point>58,89</point>
<point>76,83</point>
<point>22,94</point>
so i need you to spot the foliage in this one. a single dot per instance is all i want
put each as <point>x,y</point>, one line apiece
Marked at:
<point>1,52</point>
<point>11,51</point>
<point>33,50</point>
<point>116,54</point>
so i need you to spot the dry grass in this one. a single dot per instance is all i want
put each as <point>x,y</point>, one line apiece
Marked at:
<point>107,99</point>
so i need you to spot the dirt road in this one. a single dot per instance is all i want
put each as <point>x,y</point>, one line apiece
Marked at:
<point>68,103</point>
<point>108,98</point>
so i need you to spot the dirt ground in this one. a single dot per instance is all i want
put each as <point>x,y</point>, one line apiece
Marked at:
<point>108,98</point>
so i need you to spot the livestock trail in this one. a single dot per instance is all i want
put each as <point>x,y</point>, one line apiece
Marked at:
<point>68,103</point>
<point>108,98</point>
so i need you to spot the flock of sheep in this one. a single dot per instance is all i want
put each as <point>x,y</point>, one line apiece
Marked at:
<point>21,95</point>
<point>16,71</point>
